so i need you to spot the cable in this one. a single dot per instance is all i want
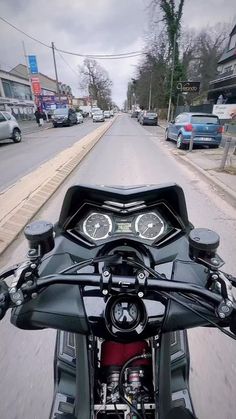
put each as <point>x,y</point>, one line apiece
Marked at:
<point>68,65</point>
<point>130,54</point>
<point>117,413</point>
<point>121,392</point>
<point>29,36</point>
<point>171,297</point>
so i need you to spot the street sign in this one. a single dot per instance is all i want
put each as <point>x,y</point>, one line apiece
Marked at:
<point>36,87</point>
<point>33,64</point>
<point>188,86</point>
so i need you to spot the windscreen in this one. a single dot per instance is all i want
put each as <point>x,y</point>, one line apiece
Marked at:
<point>204,119</point>
<point>152,114</point>
<point>61,111</point>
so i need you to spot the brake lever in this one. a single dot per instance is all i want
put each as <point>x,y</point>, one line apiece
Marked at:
<point>224,285</point>
<point>23,280</point>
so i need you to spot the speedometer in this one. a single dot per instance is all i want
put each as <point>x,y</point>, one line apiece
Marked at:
<point>149,226</point>
<point>97,226</point>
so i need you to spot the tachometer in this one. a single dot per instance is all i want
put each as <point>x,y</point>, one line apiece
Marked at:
<point>97,226</point>
<point>149,226</point>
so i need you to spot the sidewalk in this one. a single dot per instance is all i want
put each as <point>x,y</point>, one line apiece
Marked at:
<point>28,127</point>
<point>207,162</point>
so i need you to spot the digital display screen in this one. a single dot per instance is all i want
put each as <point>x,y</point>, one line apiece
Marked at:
<point>123,227</point>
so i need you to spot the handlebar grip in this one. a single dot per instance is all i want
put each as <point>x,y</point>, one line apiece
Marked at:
<point>4,299</point>
<point>232,324</point>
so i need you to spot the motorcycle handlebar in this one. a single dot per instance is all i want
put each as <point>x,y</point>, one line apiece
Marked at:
<point>8,297</point>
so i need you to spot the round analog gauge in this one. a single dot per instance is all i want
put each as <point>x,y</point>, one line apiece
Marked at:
<point>97,226</point>
<point>149,226</point>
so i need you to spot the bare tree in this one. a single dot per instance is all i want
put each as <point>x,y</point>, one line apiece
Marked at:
<point>95,79</point>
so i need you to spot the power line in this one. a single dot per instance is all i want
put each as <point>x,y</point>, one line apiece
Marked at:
<point>124,55</point>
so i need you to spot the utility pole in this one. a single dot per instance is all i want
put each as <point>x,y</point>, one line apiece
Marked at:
<point>172,79</point>
<point>55,68</point>
<point>150,93</point>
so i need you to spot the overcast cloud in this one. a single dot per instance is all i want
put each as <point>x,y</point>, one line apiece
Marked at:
<point>91,27</point>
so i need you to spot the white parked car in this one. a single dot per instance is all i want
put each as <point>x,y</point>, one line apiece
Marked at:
<point>9,127</point>
<point>94,110</point>
<point>80,118</point>
<point>98,117</point>
<point>107,114</point>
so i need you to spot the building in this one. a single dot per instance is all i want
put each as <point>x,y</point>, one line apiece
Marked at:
<point>16,94</point>
<point>223,88</point>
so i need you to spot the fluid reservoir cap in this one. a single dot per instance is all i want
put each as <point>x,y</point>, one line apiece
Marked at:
<point>204,240</point>
<point>38,231</point>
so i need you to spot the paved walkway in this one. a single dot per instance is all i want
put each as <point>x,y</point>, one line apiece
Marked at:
<point>27,127</point>
<point>208,161</point>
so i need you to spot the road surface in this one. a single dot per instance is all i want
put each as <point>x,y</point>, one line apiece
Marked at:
<point>16,160</point>
<point>128,154</point>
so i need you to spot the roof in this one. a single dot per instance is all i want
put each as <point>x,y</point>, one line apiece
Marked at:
<point>228,54</point>
<point>21,68</point>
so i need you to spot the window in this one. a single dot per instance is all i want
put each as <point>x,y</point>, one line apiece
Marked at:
<point>232,42</point>
<point>227,69</point>
<point>202,119</point>
<point>2,119</point>
<point>16,90</point>
<point>7,115</point>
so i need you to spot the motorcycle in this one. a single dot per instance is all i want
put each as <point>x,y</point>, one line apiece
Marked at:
<point>121,276</point>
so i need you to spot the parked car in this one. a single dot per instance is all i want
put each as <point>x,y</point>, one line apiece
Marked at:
<point>98,117</point>
<point>111,113</point>
<point>94,110</point>
<point>80,118</point>
<point>64,117</point>
<point>148,118</point>
<point>9,127</point>
<point>134,114</point>
<point>107,114</point>
<point>205,128</point>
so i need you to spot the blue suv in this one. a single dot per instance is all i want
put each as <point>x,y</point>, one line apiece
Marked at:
<point>205,128</point>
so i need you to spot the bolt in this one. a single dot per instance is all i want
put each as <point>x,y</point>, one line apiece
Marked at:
<point>214,261</point>
<point>29,283</point>
<point>18,302</point>
<point>105,292</point>
<point>27,274</point>
<point>215,276</point>
<point>34,295</point>
<point>12,290</point>
<point>229,303</point>
<point>106,273</point>
<point>140,294</point>
<point>141,275</point>
<point>33,265</point>
<point>222,315</point>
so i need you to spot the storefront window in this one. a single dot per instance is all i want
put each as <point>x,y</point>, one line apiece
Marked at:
<point>16,90</point>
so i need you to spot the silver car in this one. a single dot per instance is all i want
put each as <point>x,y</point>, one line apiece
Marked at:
<point>80,118</point>
<point>9,127</point>
<point>98,117</point>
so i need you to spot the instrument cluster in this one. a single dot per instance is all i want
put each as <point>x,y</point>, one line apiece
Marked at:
<point>97,226</point>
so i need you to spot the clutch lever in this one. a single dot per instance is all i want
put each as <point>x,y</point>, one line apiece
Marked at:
<point>224,285</point>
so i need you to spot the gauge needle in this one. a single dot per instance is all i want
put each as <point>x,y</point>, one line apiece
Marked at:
<point>97,226</point>
<point>150,225</point>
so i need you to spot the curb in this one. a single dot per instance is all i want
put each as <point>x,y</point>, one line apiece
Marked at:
<point>23,200</point>
<point>224,188</point>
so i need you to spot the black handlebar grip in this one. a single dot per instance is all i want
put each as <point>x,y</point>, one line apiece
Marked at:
<point>4,299</point>
<point>232,324</point>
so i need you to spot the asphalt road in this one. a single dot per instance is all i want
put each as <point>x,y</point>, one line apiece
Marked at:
<point>127,154</point>
<point>17,160</point>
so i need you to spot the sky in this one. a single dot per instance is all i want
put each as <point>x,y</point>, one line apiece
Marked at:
<point>91,27</point>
